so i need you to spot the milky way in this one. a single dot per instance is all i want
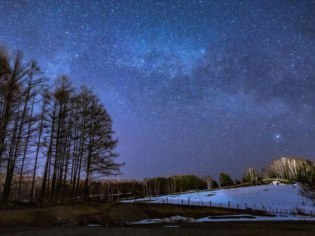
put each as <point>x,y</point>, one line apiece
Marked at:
<point>192,86</point>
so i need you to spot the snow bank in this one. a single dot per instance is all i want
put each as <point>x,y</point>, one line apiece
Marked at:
<point>172,219</point>
<point>257,218</point>
<point>227,218</point>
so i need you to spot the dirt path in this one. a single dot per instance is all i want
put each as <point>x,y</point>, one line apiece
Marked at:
<point>231,228</point>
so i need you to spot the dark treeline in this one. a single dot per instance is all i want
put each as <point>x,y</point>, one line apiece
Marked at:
<point>54,142</point>
<point>116,189</point>
<point>171,185</point>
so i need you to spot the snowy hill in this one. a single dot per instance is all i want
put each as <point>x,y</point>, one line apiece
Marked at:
<point>285,199</point>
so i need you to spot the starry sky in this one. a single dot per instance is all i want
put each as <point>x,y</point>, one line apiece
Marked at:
<point>192,86</point>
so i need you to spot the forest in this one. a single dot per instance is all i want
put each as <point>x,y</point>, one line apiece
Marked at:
<point>54,140</point>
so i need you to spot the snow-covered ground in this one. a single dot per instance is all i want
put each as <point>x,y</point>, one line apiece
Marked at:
<point>277,199</point>
<point>229,218</point>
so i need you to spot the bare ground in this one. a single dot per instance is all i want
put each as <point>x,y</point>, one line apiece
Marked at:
<point>106,214</point>
<point>73,220</point>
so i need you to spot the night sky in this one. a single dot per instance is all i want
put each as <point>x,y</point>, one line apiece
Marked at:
<point>192,86</point>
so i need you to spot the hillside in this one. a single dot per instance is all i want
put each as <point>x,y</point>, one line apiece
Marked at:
<point>285,199</point>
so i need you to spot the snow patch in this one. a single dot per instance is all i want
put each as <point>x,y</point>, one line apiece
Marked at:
<point>172,219</point>
<point>226,218</point>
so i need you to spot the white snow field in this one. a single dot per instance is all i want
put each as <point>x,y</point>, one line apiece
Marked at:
<point>277,199</point>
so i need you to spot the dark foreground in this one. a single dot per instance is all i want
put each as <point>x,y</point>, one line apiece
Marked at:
<point>227,228</point>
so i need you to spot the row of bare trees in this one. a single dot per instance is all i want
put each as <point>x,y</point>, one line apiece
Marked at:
<point>284,169</point>
<point>172,184</point>
<point>117,189</point>
<point>61,133</point>
<point>293,169</point>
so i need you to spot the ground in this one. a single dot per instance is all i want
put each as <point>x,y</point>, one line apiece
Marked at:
<point>121,218</point>
<point>218,229</point>
<point>106,214</point>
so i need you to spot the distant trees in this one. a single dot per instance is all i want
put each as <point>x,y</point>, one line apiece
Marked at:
<point>64,132</point>
<point>285,169</point>
<point>114,190</point>
<point>172,184</point>
<point>225,180</point>
<point>215,184</point>
<point>251,176</point>
<point>293,169</point>
<point>211,183</point>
